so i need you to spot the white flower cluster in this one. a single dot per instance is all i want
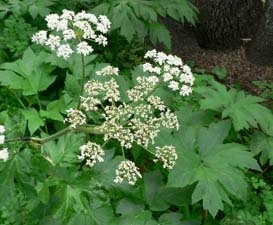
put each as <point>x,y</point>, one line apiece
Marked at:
<point>4,154</point>
<point>135,122</point>
<point>75,118</point>
<point>142,124</point>
<point>70,27</point>
<point>108,71</point>
<point>91,152</point>
<point>127,170</point>
<point>145,85</point>
<point>177,75</point>
<point>167,155</point>
<point>98,92</point>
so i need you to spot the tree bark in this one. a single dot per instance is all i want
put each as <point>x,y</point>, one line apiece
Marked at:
<point>224,23</point>
<point>260,51</point>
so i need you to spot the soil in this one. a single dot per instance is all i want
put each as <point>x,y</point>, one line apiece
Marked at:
<point>240,71</point>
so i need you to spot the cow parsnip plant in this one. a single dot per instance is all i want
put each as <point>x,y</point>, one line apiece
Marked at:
<point>83,142</point>
<point>133,117</point>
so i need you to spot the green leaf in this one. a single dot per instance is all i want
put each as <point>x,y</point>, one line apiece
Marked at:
<point>54,110</point>
<point>159,33</point>
<point>70,201</point>
<point>215,168</point>
<point>180,10</point>
<point>212,136</point>
<point>42,192</point>
<point>33,119</point>
<point>262,144</point>
<point>153,182</point>
<point>170,219</point>
<point>64,151</point>
<point>101,212</point>
<point>40,8</point>
<point>29,74</point>
<point>143,217</point>
<point>189,117</point>
<point>128,206</point>
<point>221,73</point>
<point>244,110</point>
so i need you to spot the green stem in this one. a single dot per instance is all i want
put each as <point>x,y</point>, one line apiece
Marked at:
<point>83,78</point>
<point>123,154</point>
<point>40,107</point>
<point>18,99</point>
<point>40,141</point>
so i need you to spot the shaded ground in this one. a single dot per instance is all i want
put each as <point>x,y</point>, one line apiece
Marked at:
<point>240,71</point>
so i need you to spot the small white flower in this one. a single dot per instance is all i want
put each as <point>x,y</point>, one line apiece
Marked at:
<point>53,42</point>
<point>91,152</point>
<point>4,154</point>
<point>2,139</point>
<point>108,71</point>
<point>175,71</point>
<point>40,37</point>
<point>62,25</point>
<point>167,155</point>
<point>84,48</point>
<point>169,120</point>
<point>174,60</point>
<point>167,77</point>
<point>90,103</point>
<point>64,51</point>
<point>150,54</point>
<point>174,85</point>
<point>185,90</point>
<point>67,14</point>
<point>101,40</point>
<point>2,129</point>
<point>52,21</point>
<point>75,117</point>
<point>69,34</point>
<point>127,170</point>
<point>187,78</point>
<point>161,58</point>
<point>156,102</point>
<point>187,69</point>
<point>104,24</point>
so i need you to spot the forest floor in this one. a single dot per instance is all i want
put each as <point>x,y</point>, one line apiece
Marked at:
<point>241,72</point>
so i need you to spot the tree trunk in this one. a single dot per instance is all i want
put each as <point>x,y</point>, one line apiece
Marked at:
<point>260,51</point>
<point>224,23</point>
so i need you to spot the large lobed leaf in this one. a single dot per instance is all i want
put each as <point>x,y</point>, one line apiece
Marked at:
<point>215,168</point>
<point>29,74</point>
<point>244,110</point>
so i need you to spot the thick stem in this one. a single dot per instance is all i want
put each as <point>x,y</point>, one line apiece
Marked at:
<point>40,141</point>
<point>83,79</point>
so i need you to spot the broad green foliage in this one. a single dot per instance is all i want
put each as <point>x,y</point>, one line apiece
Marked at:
<point>216,168</point>
<point>29,74</point>
<point>141,17</point>
<point>244,110</point>
<point>33,7</point>
<point>222,132</point>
